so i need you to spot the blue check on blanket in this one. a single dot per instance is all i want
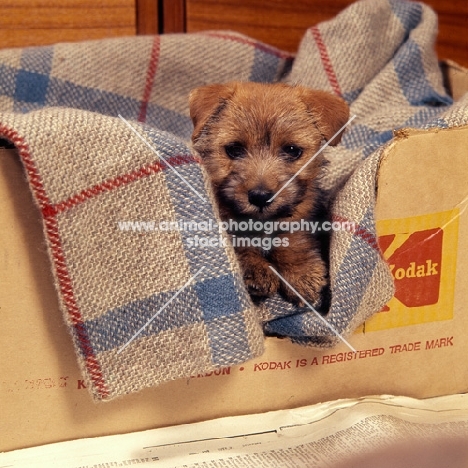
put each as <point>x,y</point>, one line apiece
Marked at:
<point>102,129</point>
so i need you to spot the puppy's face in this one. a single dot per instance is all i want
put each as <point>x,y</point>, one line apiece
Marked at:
<point>255,138</point>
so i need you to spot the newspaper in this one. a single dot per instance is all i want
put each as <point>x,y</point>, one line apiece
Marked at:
<point>315,436</point>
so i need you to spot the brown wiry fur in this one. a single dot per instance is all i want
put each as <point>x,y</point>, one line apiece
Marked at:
<point>263,119</point>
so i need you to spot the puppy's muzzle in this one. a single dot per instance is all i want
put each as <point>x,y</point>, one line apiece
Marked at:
<point>260,198</point>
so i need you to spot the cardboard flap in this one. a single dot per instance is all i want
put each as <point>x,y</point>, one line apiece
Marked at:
<point>423,171</point>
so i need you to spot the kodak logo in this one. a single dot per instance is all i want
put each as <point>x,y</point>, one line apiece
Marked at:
<point>416,266</point>
<point>416,271</point>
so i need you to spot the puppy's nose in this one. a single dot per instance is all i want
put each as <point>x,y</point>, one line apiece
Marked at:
<point>259,197</point>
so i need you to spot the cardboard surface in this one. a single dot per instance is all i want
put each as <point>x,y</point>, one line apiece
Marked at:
<point>417,349</point>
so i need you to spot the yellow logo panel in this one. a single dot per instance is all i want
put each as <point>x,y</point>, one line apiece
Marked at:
<point>422,254</point>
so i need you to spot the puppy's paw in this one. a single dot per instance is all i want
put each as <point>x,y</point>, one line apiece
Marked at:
<point>260,280</point>
<point>308,280</point>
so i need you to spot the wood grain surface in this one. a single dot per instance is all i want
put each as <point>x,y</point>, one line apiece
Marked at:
<point>174,19</point>
<point>282,23</point>
<point>148,16</point>
<point>452,40</point>
<point>34,22</point>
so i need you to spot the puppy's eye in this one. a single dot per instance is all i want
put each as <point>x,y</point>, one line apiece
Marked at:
<point>235,150</point>
<point>293,152</point>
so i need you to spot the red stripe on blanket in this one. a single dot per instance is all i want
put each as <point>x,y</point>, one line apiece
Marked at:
<point>356,230</point>
<point>326,62</point>
<point>111,184</point>
<point>58,256</point>
<point>150,74</point>
<point>247,41</point>
<point>94,368</point>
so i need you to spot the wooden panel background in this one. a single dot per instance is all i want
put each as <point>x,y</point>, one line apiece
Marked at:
<point>173,16</point>
<point>282,23</point>
<point>278,22</point>
<point>453,29</point>
<point>34,22</point>
<point>148,16</point>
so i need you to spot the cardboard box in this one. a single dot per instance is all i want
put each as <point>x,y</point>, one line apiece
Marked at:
<point>416,347</point>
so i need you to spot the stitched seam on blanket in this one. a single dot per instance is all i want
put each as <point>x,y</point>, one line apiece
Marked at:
<point>111,184</point>
<point>326,62</point>
<point>250,42</point>
<point>63,276</point>
<point>358,231</point>
<point>151,73</point>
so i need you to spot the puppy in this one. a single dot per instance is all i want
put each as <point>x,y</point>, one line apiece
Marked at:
<point>253,139</point>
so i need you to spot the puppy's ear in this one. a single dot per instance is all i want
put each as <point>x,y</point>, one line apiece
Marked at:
<point>206,101</point>
<point>330,112</point>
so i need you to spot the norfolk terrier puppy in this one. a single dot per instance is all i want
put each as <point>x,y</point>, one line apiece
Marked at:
<point>257,143</point>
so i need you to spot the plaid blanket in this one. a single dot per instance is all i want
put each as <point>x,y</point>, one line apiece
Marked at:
<point>102,129</point>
